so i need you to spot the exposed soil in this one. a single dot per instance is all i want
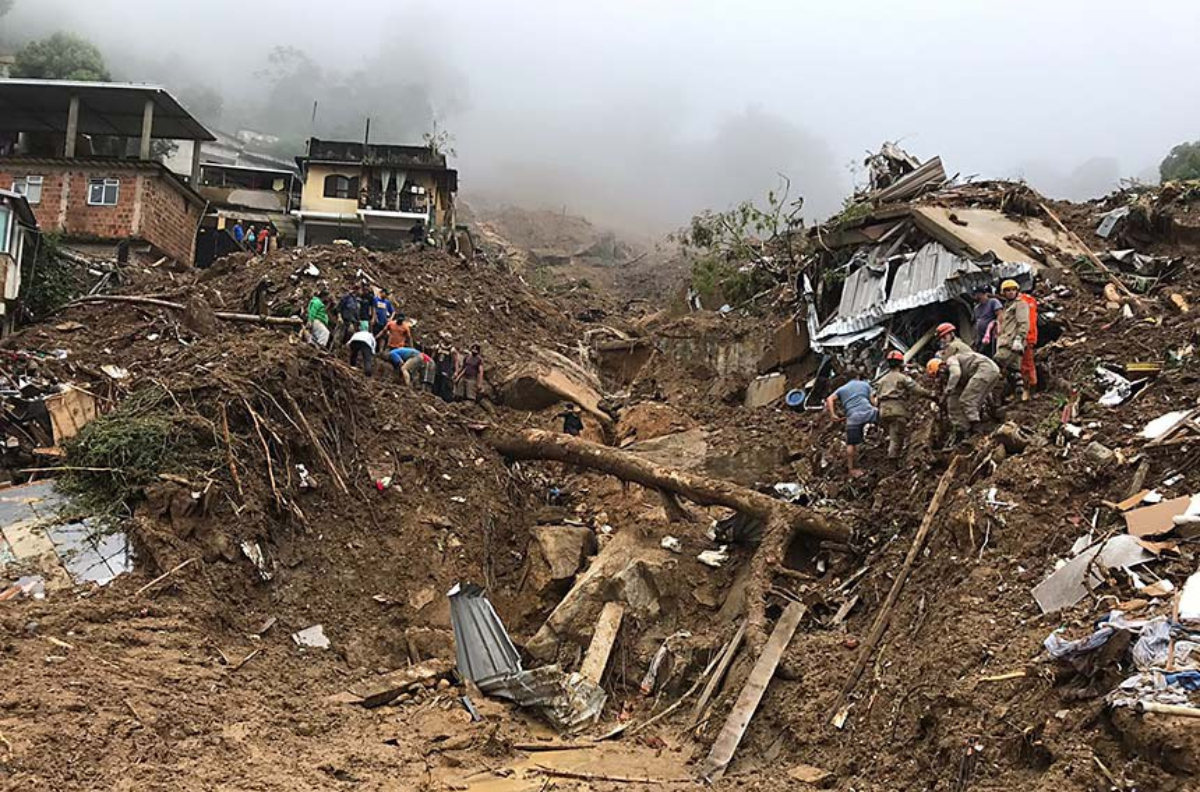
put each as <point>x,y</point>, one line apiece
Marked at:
<point>178,686</point>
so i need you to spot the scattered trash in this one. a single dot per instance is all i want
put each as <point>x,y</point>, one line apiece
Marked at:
<point>306,481</point>
<point>647,686</point>
<point>254,552</point>
<point>991,500</point>
<point>383,483</point>
<point>714,558</point>
<point>469,706</point>
<point>790,491</point>
<point>27,587</point>
<point>311,637</point>
<point>672,544</point>
<point>458,499</point>
<point>1119,389</point>
<point>116,372</point>
<point>312,271</point>
<point>1072,581</point>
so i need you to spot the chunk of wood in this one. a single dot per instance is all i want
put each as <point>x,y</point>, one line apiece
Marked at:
<point>387,688</point>
<point>607,627</point>
<point>756,685</point>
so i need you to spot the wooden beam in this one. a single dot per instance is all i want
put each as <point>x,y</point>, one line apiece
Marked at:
<point>747,703</point>
<point>607,627</point>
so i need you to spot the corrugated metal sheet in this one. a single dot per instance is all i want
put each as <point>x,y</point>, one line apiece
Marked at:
<point>482,647</point>
<point>929,175</point>
<point>864,288</point>
<point>931,275</point>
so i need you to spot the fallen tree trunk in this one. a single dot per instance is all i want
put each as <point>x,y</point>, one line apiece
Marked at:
<point>229,316</point>
<point>781,521</point>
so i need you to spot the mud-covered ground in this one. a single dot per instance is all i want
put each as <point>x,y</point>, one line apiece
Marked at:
<point>179,686</point>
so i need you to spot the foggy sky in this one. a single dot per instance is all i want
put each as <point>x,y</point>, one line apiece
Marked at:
<point>641,113</point>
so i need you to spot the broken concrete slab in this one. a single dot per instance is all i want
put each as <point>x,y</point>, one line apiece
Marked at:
<point>389,686</point>
<point>1071,582</point>
<point>683,450</point>
<point>545,378</point>
<point>788,344</point>
<point>766,390</point>
<point>978,231</point>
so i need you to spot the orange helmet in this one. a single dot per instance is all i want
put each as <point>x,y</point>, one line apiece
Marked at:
<point>945,328</point>
<point>933,366</point>
<point>895,354</point>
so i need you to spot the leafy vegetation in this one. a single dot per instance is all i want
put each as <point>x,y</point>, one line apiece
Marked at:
<point>116,455</point>
<point>62,56</point>
<point>738,254</point>
<point>48,281</point>
<point>1182,163</point>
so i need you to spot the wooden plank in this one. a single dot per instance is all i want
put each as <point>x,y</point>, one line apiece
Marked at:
<point>69,412</point>
<point>718,674</point>
<point>607,627</point>
<point>386,688</point>
<point>756,685</point>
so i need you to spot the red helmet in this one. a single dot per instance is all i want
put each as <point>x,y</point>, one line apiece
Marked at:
<point>895,355</point>
<point>945,328</point>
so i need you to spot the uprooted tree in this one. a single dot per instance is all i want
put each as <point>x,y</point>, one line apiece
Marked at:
<point>781,521</point>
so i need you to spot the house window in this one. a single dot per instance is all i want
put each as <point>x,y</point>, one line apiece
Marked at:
<point>5,216</point>
<point>103,192</point>
<point>341,187</point>
<point>30,187</point>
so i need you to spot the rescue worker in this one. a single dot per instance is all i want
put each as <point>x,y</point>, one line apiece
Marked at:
<point>970,380</point>
<point>892,391</point>
<point>949,342</point>
<point>1016,337</point>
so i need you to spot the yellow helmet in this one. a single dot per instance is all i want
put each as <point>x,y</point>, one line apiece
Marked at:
<point>933,366</point>
<point>1009,284</point>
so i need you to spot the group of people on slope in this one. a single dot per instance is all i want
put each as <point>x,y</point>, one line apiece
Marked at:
<point>965,380</point>
<point>367,323</point>
<point>256,240</point>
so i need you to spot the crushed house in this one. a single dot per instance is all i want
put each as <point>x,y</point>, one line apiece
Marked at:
<point>82,153</point>
<point>371,192</point>
<point>906,255</point>
<point>19,239</point>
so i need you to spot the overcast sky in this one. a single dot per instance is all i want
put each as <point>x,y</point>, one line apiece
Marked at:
<point>643,112</point>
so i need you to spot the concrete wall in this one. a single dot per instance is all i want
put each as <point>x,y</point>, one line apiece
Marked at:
<point>150,206</point>
<point>313,198</point>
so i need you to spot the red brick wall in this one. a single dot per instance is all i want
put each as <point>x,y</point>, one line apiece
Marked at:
<point>160,215</point>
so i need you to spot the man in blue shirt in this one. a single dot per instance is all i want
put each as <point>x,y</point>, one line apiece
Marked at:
<point>384,310</point>
<point>987,308</point>
<point>856,398</point>
<point>239,233</point>
<point>398,358</point>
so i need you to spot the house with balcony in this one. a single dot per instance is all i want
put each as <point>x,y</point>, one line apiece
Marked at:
<point>83,154</point>
<point>373,193</point>
<point>19,239</point>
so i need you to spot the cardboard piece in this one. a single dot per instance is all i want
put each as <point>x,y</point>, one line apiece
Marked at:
<point>1156,519</point>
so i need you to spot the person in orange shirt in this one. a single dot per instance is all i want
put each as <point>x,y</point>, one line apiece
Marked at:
<point>398,331</point>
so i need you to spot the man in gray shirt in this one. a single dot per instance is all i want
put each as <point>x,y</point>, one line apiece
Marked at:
<point>856,400</point>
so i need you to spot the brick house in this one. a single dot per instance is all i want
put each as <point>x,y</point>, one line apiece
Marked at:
<point>109,200</point>
<point>65,147</point>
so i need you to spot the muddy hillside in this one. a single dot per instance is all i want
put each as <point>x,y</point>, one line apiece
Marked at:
<point>234,560</point>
